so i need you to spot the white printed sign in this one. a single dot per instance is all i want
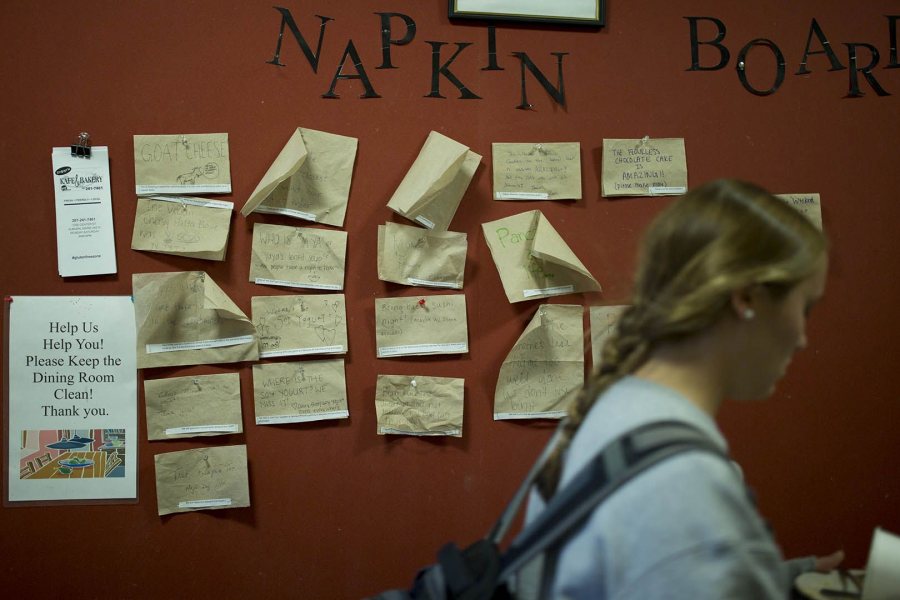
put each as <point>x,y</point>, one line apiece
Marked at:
<point>84,227</point>
<point>72,425</point>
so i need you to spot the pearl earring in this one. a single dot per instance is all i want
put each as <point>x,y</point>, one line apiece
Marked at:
<point>748,314</point>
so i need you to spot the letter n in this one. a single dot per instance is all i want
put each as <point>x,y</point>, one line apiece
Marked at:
<point>288,19</point>
<point>558,93</point>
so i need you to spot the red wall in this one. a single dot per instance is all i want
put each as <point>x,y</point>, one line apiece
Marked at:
<point>339,511</point>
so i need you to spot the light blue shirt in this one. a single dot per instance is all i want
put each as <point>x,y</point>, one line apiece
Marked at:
<point>683,529</point>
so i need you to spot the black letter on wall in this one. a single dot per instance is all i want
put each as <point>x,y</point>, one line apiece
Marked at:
<point>437,69</point>
<point>360,74</point>
<point>814,29</point>
<point>558,93</point>
<point>866,71</point>
<point>742,63</point>
<point>313,59</point>
<point>892,26</point>
<point>386,40</point>
<point>492,51</point>
<point>724,55</point>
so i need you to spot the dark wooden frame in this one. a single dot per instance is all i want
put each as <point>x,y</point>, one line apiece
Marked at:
<point>599,21</point>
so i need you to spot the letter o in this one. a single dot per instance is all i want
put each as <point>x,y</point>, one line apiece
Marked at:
<point>779,73</point>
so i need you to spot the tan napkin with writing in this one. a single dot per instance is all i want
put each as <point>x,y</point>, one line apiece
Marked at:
<point>183,226</point>
<point>420,257</point>
<point>202,479</point>
<point>418,405</point>
<point>184,318</point>
<point>545,368</point>
<point>433,187</point>
<point>533,260</point>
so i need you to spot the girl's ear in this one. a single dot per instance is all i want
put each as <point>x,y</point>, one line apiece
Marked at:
<point>744,300</point>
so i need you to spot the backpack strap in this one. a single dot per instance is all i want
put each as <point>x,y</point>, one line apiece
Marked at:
<point>498,531</point>
<point>619,462</point>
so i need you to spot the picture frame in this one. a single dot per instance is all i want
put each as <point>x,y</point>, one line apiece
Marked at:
<point>585,13</point>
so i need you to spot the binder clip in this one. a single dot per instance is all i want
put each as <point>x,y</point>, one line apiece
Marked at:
<point>82,147</point>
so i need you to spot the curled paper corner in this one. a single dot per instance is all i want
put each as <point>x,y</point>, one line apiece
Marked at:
<point>288,162</point>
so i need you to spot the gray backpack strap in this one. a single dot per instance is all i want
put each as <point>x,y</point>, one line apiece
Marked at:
<point>498,531</point>
<point>619,462</point>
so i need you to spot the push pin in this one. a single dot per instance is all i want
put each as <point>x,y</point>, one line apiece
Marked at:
<point>422,302</point>
<point>413,383</point>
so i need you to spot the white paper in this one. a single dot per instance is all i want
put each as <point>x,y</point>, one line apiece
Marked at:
<point>280,419</point>
<point>205,503</point>
<point>72,375</point>
<point>576,9</point>
<point>425,221</point>
<point>302,351</point>
<point>198,344</point>
<point>223,204</point>
<point>659,190</point>
<point>232,428</point>
<point>883,569</point>
<point>438,284</point>
<point>298,284</point>
<point>550,291</point>
<point>288,212</point>
<point>84,228</point>
<point>547,414</point>
<point>521,196</point>
<point>416,349</point>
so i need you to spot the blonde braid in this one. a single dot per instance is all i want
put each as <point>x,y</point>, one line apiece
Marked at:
<point>717,238</point>
<point>623,352</point>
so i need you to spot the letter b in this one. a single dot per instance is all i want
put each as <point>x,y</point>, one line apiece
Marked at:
<point>724,55</point>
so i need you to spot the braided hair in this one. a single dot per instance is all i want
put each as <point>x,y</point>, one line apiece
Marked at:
<point>715,239</point>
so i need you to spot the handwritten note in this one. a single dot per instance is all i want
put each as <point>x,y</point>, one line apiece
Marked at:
<point>187,163</point>
<point>433,187</point>
<point>545,368</point>
<point>182,226</point>
<point>420,257</point>
<point>533,260</point>
<point>545,171</point>
<point>603,323</point>
<point>197,405</point>
<point>295,392</point>
<point>298,325</point>
<point>202,479</point>
<point>319,190</point>
<point>645,167</point>
<point>808,204</point>
<point>300,257</point>
<point>421,325</point>
<point>184,318</point>
<point>417,405</point>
